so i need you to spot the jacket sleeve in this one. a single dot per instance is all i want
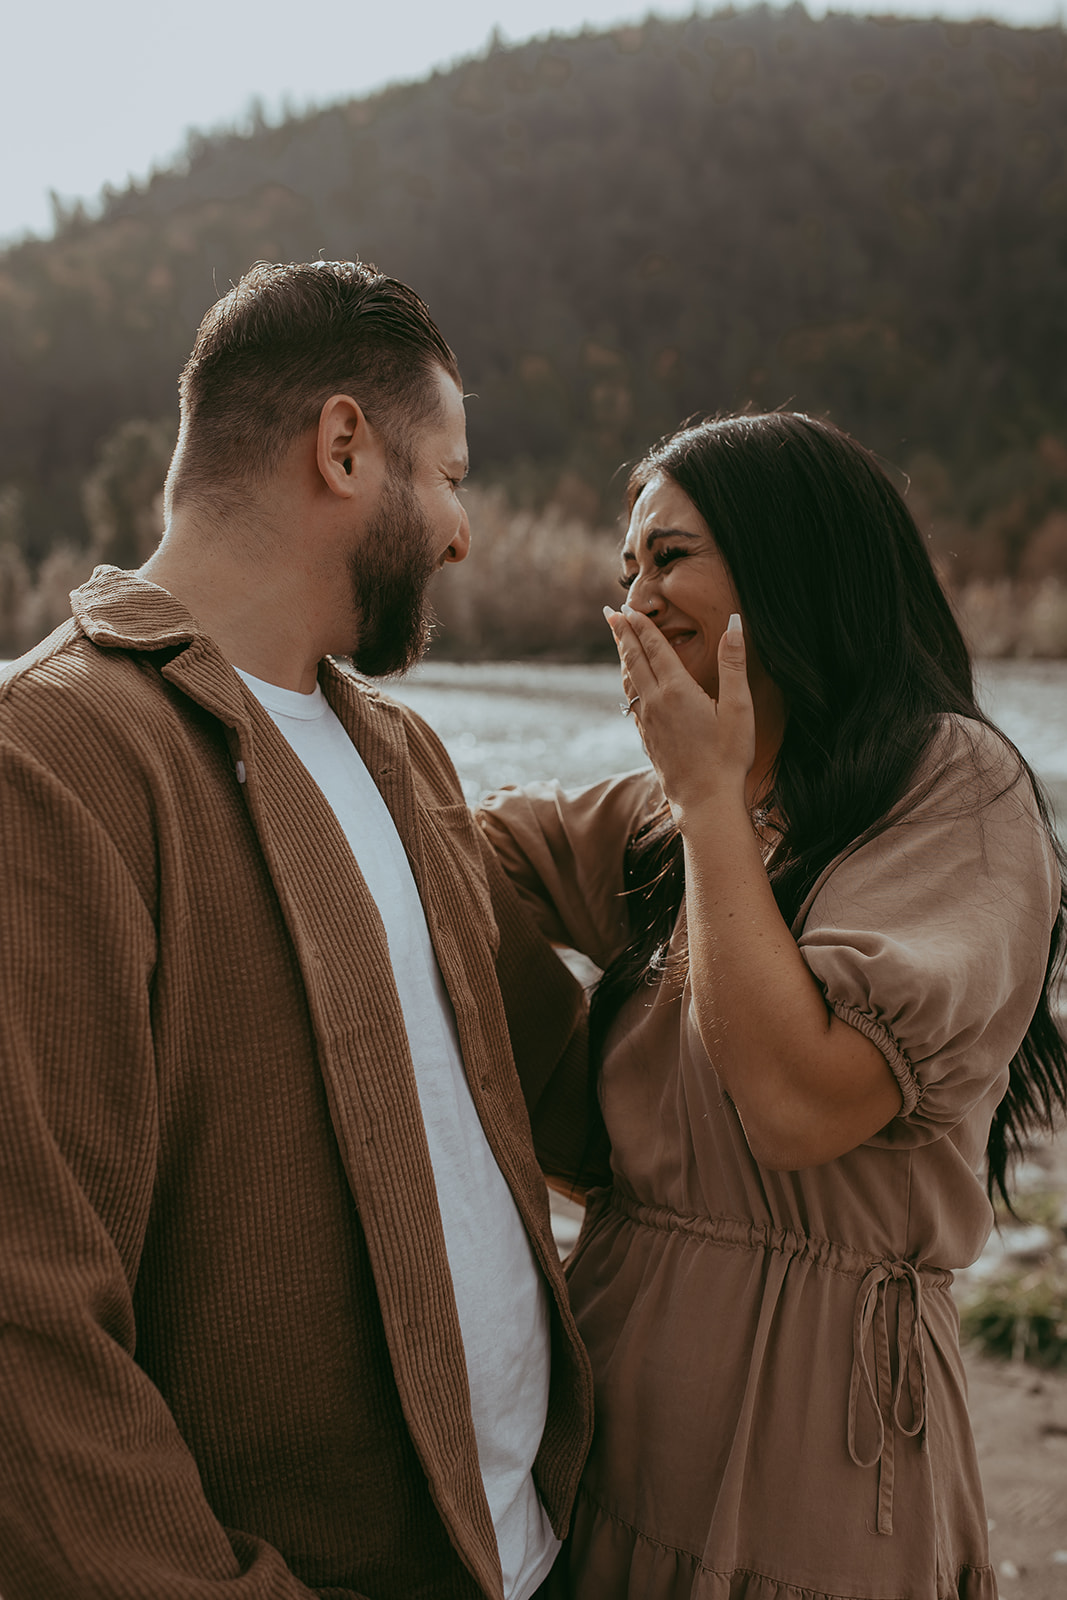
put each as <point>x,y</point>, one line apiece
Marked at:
<point>98,1493</point>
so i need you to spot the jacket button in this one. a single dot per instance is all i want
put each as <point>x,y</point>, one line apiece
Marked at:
<point>240,771</point>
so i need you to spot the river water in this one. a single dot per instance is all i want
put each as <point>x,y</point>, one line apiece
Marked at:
<point>510,722</point>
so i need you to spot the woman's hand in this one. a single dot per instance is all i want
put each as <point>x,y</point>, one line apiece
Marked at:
<point>807,1086</point>
<point>702,749</point>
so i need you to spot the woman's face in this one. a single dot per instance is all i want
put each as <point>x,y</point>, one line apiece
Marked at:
<point>675,575</point>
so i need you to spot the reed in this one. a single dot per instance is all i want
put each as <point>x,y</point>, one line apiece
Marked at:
<point>534,584</point>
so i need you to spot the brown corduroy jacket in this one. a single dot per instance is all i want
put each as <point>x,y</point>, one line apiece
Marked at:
<point>230,1361</point>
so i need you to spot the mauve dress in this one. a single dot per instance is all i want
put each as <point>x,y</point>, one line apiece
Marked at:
<point>780,1401</point>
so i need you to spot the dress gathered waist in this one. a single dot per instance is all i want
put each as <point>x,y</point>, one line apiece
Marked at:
<point>743,1234</point>
<point>877,1401</point>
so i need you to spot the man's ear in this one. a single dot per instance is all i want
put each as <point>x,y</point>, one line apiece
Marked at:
<point>347,447</point>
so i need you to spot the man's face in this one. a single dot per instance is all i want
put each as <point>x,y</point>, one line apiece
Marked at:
<point>418,524</point>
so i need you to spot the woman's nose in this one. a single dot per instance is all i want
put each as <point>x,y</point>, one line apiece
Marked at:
<point>643,595</point>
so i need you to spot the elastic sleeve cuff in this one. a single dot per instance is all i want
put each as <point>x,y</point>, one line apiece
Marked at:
<point>883,1040</point>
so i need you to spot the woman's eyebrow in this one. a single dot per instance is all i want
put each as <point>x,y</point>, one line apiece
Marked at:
<point>660,533</point>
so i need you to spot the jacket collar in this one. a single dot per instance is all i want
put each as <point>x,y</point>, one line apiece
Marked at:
<point>119,610</point>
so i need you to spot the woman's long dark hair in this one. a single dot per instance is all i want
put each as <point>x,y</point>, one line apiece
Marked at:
<point>844,609</point>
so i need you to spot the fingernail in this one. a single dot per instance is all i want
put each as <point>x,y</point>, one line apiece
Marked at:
<point>734,624</point>
<point>628,610</point>
<point>608,613</point>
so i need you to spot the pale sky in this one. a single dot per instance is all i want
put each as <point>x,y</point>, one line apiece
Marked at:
<point>94,91</point>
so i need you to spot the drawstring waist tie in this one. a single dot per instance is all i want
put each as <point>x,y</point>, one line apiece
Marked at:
<point>883,1398</point>
<point>874,1395</point>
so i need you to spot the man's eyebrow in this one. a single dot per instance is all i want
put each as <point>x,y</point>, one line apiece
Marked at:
<point>660,533</point>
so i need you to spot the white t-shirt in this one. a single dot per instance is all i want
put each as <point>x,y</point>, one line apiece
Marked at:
<point>500,1295</point>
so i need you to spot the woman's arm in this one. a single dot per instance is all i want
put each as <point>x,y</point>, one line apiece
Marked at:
<point>563,850</point>
<point>807,1086</point>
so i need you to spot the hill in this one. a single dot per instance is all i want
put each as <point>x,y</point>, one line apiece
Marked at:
<point>864,217</point>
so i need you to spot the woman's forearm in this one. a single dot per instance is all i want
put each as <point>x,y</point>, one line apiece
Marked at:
<point>806,1085</point>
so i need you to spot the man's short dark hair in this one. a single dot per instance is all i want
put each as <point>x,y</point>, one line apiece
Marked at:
<point>287,336</point>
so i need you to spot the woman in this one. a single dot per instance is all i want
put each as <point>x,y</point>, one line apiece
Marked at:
<point>828,920</point>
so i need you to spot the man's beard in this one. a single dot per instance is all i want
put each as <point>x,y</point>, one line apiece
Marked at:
<point>389,574</point>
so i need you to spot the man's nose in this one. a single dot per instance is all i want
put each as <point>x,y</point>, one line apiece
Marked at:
<point>459,549</point>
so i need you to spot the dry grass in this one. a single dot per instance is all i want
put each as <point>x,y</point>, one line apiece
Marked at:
<point>1002,617</point>
<point>29,610</point>
<point>1021,1316</point>
<point>533,585</point>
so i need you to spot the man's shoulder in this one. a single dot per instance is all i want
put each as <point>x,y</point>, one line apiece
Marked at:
<point>68,702</point>
<point>66,665</point>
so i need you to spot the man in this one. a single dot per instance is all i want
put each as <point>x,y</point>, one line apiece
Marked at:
<point>277,1286</point>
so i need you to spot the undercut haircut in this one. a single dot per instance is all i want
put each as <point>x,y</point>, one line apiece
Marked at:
<point>269,354</point>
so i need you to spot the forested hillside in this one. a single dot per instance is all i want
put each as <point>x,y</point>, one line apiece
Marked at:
<point>861,217</point>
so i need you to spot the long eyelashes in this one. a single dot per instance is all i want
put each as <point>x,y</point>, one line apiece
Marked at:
<point>661,558</point>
